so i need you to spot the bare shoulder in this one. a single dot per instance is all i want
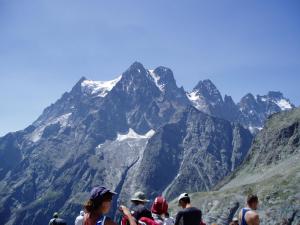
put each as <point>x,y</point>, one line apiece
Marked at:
<point>252,218</point>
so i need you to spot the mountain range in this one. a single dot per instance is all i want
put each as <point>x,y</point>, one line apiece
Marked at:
<point>139,131</point>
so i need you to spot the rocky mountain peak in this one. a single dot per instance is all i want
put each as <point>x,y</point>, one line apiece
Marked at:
<point>209,91</point>
<point>248,98</point>
<point>136,69</point>
<point>77,87</point>
<point>228,100</point>
<point>275,94</point>
<point>166,77</point>
<point>248,102</point>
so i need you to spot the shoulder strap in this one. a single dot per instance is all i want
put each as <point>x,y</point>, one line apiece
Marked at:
<point>244,211</point>
<point>103,221</point>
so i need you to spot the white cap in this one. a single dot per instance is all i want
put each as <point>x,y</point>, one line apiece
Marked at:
<point>183,195</point>
<point>235,219</point>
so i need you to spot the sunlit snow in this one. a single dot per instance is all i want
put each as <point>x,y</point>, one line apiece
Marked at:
<point>133,135</point>
<point>283,104</point>
<point>99,88</point>
<point>156,80</point>
<point>62,120</point>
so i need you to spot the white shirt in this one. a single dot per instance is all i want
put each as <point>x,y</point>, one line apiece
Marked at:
<point>79,220</point>
<point>169,221</point>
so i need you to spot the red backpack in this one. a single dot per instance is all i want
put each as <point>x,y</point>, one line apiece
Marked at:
<point>147,221</point>
<point>142,221</point>
<point>124,220</point>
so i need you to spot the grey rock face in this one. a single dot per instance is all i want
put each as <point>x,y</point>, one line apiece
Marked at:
<point>271,170</point>
<point>193,153</point>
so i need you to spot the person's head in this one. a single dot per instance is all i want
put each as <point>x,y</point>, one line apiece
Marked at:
<point>81,213</point>
<point>184,200</point>
<point>55,215</point>
<point>252,201</point>
<point>159,206</point>
<point>167,215</point>
<point>138,198</point>
<point>99,201</point>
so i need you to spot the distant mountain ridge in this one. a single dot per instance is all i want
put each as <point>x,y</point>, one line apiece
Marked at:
<point>251,111</point>
<point>137,131</point>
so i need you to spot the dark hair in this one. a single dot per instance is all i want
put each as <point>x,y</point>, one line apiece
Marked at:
<point>167,214</point>
<point>186,200</point>
<point>252,198</point>
<point>136,202</point>
<point>93,204</point>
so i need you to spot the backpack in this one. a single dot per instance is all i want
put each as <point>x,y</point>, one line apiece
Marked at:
<point>124,220</point>
<point>148,221</point>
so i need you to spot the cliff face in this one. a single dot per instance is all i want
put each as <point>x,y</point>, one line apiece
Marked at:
<point>194,152</point>
<point>271,170</point>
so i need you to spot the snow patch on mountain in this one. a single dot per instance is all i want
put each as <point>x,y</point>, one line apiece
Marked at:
<point>197,101</point>
<point>283,104</point>
<point>98,88</point>
<point>193,96</point>
<point>254,129</point>
<point>156,79</point>
<point>133,135</point>
<point>38,132</point>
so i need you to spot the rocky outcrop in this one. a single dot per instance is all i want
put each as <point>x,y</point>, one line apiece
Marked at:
<point>270,170</point>
<point>193,153</point>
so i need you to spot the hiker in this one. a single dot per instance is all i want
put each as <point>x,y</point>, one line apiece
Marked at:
<point>99,204</point>
<point>159,210</point>
<point>247,215</point>
<point>139,209</point>
<point>56,220</point>
<point>189,215</point>
<point>79,218</point>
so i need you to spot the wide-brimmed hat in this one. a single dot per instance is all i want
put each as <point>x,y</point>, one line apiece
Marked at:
<point>139,197</point>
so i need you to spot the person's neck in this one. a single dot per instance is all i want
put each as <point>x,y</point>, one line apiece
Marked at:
<point>95,215</point>
<point>189,205</point>
<point>249,207</point>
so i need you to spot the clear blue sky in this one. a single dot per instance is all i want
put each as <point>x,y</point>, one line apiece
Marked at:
<point>46,46</point>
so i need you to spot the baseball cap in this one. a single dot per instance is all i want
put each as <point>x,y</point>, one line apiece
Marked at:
<point>99,191</point>
<point>182,196</point>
